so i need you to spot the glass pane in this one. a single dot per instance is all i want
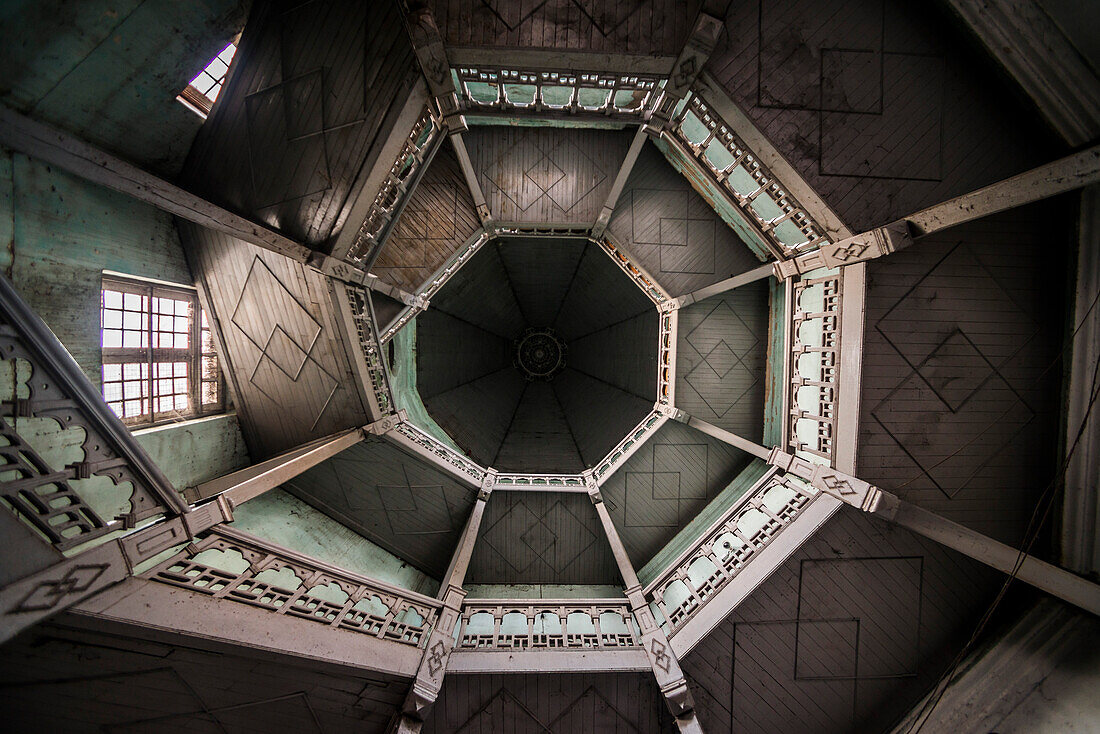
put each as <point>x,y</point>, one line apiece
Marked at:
<point>112,299</point>
<point>209,393</point>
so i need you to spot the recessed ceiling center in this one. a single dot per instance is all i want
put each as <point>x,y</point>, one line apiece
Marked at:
<point>540,353</point>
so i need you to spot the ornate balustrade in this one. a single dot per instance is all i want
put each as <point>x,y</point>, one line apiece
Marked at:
<point>648,285</point>
<point>398,184</point>
<point>778,217</point>
<point>814,366</point>
<point>438,452</point>
<point>631,443</point>
<point>727,546</point>
<point>232,565</point>
<point>541,482</point>
<point>666,357</point>
<point>366,328</point>
<point>496,90</point>
<point>541,624</point>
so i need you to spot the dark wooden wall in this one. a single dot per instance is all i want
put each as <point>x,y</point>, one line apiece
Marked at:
<point>531,174</point>
<point>672,232</point>
<point>404,505</point>
<point>603,703</point>
<point>542,538</point>
<point>721,358</point>
<point>650,27</point>
<point>56,678</point>
<point>302,112</point>
<point>437,220</point>
<point>884,106</point>
<point>290,373</point>
<point>665,484</point>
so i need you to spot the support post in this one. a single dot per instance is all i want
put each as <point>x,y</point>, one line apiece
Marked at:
<point>1065,174</point>
<point>429,678</point>
<point>616,191</point>
<point>666,668</point>
<point>868,498</point>
<point>470,174</point>
<point>245,484</point>
<point>428,45</point>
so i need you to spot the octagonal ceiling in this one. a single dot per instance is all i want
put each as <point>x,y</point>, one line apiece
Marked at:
<point>481,390</point>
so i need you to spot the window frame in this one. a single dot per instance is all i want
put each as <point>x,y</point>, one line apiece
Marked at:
<point>198,101</point>
<point>150,356</point>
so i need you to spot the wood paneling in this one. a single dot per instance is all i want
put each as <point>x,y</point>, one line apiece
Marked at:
<point>657,27</point>
<point>69,681</point>
<point>283,351</point>
<point>409,508</point>
<point>437,220</point>
<point>883,106</point>
<point>665,484</point>
<point>672,232</point>
<point>844,637</point>
<point>540,437</point>
<point>603,703</point>
<point>720,359</point>
<point>557,175</point>
<point>542,538</point>
<point>599,413</point>
<point>962,378</point>
<point>623,355</point>
<point>302,112</point>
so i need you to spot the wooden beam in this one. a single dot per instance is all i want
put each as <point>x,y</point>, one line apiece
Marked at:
<point>750,276</point>
<point>470,175</point>
<point>1065,174</point>
<point>427,43</point>
<point>556,59</point>
<point>1038,55</point>
<point>689,64</point>
<point>250,482</point>
<point>662,659</point>
<point>868,498</point>
<point>75,156</point>
<point>725,436</point>
<point>621,177</point>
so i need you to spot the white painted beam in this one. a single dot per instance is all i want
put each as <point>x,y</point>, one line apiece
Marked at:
<point>617,186</point>
<point>722,286</point>
<point>470,175</point>
<point>515,662</point>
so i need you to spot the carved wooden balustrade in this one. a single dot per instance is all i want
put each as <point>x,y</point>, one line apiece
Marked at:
<point>814,368</point>
<point>546,624</point>
<point>727,546</point>
<point>630,443</point>
<point>366,328</point>
<point>63,452</point>
<point>230,564</point>
<point>495,90</point>
<point>547,482</point>
<point>400,181</point>
<point>778,217</point>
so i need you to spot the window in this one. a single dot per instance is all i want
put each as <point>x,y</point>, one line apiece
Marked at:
<point>204,88</point>
<point>159,363</point>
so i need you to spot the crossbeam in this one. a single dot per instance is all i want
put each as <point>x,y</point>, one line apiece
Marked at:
<point>1065,174</point>
<point>722,286</point>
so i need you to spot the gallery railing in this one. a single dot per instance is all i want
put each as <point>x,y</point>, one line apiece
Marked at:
<point>546,624</point>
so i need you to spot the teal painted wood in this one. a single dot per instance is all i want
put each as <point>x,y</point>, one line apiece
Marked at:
<point>690,533</point>
<point>196,451</point>
<point>66,232</point>
<point>774,387</point>
<point>109,70</point>
<point>403,384</point>
<point>7,211</point>
<point>730,214</point>
<point>286,520</point>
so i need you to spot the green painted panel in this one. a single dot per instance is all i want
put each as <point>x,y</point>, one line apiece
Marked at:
<point>66,231</point>
<point>281,518</point>
<point>690,533</point>
<point>196,451</point>
<point>110,70</point>
<point>403,384</point>
<point>7,212</point>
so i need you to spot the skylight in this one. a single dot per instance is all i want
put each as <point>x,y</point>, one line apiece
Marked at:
<point>205,87</point>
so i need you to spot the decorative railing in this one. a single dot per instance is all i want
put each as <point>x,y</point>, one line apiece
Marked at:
<point>546,624</point>
<point>814,367</point>
<point>451,266</point>
<point>362,311</point>
<point>558,482</point>
<point>778,216</point>
<point>57,435</point>
<point>565,92</point>
<point>229,564</point>
<point>643,281</point>
<point>399,182</point>
<point>666,357</point>
<point>727,546</point>
<point>631,443</point>
<point>438,452</point>
<point>524,229</point>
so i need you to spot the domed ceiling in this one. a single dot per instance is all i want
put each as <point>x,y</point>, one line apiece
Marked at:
<point>539,355</point>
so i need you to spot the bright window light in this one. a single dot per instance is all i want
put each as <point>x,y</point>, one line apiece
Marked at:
<point>205,87</point>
